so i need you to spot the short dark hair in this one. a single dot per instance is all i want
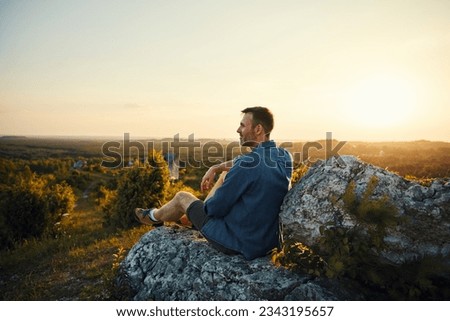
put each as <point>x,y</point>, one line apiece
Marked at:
<point>261,115</point>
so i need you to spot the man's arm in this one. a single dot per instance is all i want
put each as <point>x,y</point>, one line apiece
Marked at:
<point>208,178</point>
<point>238,181</point>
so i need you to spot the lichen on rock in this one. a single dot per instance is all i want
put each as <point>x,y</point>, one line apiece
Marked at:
<point>422,213</point>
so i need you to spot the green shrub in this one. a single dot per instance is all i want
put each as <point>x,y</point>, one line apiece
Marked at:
<point>299,258</point>
<point>298,172</point>
<point>31,206</point>
<point>79,180</point>
<point>106,200</point>
<point>144,185</point>
<point>377,213</point>
<point>60,200</point>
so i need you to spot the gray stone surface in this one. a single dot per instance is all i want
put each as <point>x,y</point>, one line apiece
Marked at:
<point>176,264</point>
<point>317,201</point>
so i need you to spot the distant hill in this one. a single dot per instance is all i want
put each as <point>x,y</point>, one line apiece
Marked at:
<point>13,137</point>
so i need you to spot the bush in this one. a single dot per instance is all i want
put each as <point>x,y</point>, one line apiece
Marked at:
<point>60,200</point>
<point>79,180</point>
<point>32,206</point>
<point>299,258</point>
<point>144,185</point>
<point>298,172</point>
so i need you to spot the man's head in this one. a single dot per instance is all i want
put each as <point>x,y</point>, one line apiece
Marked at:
<point>256,126</point>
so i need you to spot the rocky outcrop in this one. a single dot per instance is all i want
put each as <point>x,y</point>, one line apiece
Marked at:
<point>423,212</point>
<point>177,264</point>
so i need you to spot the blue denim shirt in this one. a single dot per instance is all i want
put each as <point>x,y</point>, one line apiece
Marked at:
<point>243,213</point>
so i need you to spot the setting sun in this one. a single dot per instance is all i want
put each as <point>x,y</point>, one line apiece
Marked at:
<point>380,101</point>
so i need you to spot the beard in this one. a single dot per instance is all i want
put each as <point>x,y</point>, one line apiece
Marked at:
<point>248,141</point>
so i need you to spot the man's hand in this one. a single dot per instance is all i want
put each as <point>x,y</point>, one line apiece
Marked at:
<point>208,178</point>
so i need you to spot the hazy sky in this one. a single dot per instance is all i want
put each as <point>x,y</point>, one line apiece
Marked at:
<point>364,70</point>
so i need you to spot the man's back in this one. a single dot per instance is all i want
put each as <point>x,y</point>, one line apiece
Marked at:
<point>244,210</point>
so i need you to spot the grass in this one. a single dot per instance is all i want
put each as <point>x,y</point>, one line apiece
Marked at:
<point>80,264</point>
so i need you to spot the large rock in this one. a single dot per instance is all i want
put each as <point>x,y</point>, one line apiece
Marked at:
<point>173,263</point>
<point>177,264</point>
<point>317,201</point>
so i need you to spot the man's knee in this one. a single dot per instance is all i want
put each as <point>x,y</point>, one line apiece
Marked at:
<point>183,194</point>
<point>185,199</point>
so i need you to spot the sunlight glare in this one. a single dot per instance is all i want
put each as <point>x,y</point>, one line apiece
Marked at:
<point>380,101</point>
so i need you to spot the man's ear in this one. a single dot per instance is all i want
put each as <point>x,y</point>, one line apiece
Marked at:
<point>259,129</point>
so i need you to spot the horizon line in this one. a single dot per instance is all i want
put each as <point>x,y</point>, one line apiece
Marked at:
<point>140,137</point>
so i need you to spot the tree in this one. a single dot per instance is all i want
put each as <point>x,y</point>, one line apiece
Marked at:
<point>143,185</point>
<point>32,206</point>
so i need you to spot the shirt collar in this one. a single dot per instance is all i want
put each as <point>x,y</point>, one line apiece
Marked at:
<point>266,144</point>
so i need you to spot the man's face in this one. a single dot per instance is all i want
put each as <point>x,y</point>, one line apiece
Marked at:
<point>246,131</point>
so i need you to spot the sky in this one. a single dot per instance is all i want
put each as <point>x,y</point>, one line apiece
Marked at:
<point>363,70</point>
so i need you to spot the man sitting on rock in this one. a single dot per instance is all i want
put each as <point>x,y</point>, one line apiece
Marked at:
<point>240,214</point>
